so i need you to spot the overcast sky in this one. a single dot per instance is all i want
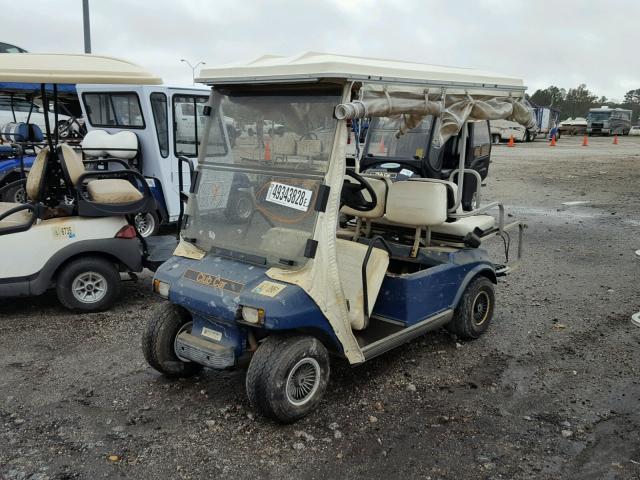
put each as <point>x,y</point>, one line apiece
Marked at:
<point>563,43</point>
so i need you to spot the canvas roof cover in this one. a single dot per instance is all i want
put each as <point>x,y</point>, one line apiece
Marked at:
<point>71,68</point>
<point>311,65</point>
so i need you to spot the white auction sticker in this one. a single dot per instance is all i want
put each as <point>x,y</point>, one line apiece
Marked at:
<point>288,196</point>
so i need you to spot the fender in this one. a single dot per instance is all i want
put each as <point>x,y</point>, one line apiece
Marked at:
<point>485,269</point>
<point>127,252</point>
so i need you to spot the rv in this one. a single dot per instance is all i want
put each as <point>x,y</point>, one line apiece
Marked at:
<point>608,121</point>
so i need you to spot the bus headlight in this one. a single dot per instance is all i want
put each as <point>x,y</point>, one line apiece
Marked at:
<point>252,315</point>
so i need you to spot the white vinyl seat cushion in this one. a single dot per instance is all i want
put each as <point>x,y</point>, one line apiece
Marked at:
<point>284,145</point>
<point>418,204</point>
<point>100,143</point>
<point>309,147</point>
<point>380,187</point>
<point>350,256</point>
<point>463,226</point>
<point>113,191</point>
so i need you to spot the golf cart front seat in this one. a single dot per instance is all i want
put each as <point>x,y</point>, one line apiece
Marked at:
<point>25,214</point>
<point>113,193</point>
<point>381,187</point>
<point>421,205</point>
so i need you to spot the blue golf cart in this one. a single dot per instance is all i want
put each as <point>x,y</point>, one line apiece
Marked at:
<point>289,286</point>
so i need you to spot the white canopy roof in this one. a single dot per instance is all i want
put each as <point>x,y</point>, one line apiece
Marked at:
<point>70,68</point>
<point>313,65</point>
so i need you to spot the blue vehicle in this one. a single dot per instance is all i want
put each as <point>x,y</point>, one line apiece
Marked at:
<point>287,288</point>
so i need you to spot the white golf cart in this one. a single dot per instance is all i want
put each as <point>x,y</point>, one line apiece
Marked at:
<point>288,286</point>
<point>76,230</point>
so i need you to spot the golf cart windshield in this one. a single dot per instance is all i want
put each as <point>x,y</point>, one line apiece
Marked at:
<point>383,141</point>
<point>257,188</point>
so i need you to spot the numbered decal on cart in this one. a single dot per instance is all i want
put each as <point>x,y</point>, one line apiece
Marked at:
<point>288,196</point>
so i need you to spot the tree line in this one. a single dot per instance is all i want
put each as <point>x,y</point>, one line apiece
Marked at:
<point>576,102</point>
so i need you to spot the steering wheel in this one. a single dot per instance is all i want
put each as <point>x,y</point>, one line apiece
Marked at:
<point>352,196</point>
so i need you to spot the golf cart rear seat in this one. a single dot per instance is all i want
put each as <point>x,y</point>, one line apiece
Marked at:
<point>104,193</point>
<point>20,132</point>
<point>100,145</point>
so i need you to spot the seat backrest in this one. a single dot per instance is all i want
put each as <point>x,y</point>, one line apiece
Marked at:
<point>100,144</point>
<point>35,178</point>
<point>381,188</point>
<point>309,146</point>
<point>72,165</point>
<point>284,145</point>
<point>19,132</point>
<point>452,189</point>
<point>419,204</point>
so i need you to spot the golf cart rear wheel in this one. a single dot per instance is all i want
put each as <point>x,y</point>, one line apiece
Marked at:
<point>88,284</point>
<point>473,314</point>
<point>158,341</point>
<point>147,224</point>
<point>287,377</point>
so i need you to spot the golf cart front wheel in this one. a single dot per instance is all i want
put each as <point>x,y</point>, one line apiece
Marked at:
<point>287,377</point>
<point>159,341</point>
<point>88,284</point>
<point>474,312</point>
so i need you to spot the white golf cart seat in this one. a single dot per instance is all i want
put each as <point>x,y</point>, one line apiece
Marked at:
<point>350,256</point>
<point>104,191</point>
<point>102,144</point>
<point>18,218</point>
<point>381,187</point>
<point>421,205</point>
<point>309,147</point>
<point>283,146</point>
<point>463,226</point>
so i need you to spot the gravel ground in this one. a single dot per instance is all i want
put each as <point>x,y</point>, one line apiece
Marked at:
<point>551,391</point>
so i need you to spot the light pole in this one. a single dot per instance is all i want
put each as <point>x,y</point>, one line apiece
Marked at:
<point>193,69</point>
<point>86,26</point>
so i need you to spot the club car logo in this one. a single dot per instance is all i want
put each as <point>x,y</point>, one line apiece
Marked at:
<point>213,281</point>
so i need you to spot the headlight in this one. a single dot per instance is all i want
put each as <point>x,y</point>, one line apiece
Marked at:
<point>161,288</point>
<point>253,315</point>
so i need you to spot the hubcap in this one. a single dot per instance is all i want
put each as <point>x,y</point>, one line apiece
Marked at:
<point>89,287</point>
<point>480,309</point>
<point>303,381</point>
<point>145,224</point>
<point>20,196</point>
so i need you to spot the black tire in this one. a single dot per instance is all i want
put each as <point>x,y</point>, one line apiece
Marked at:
<point>15,194</point>
<point>158,341</point>
<point>471,318</point>
<point>240,208</point>
<point>277,359</point>
<point>147,224</point>
<point>96,277</point>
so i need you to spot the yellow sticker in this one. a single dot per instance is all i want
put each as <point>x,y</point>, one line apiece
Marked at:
<point>419,152</point>
<point>269,289</point>
<point>65,231</point>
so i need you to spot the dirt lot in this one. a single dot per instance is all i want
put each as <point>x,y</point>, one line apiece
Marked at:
<point>551,391</point>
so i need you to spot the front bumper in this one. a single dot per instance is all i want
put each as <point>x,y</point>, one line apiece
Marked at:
<point>197,349</point>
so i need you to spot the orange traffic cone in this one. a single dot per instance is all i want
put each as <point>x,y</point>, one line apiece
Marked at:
<point>381,146</point>
<point>267,152</point>
<point>512,142</point>
<point>615,139</point>
<point>585,141</point>
<point>553,141</point>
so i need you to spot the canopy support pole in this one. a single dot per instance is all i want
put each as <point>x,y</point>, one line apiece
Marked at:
<point>464,135</point>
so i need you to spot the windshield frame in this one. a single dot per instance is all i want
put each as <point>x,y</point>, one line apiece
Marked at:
<point>211,161</point>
